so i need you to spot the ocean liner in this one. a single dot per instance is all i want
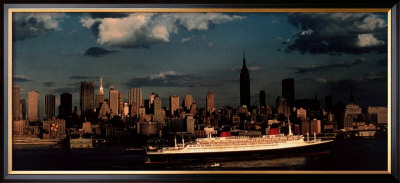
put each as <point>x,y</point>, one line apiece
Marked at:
<point>238,148</point>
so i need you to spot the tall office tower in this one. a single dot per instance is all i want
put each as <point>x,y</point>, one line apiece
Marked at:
<point>135,96</point>
<point>174,103</point>
<point>100,95</point>
<point>193,108</point>
<point>49,106</point>
<point>15,102</point>
<point>188,101</point>
<point>33,106</point>
<point>150,105</point>
<point>262,98</point>
<point>134,109</point>
<point>288,90</point>
<point>152,96</point>
<point>101,90</point>
<point>65,109</point>
<point>283,106</point>
<point>99,100</point>
<point>22,109</point>
<point>244,84</point>
<point>120,103</point>
<point>157,109</point>
<point>210,102</point>
<point>87,96</point>
<point>126,109</point>
<point>113,100</point>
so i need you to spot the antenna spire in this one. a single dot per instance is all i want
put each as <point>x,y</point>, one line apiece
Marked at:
<point>101,91</point>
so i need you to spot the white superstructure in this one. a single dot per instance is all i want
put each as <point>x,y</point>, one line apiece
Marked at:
<point>240,143</point>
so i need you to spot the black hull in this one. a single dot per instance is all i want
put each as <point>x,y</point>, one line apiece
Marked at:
<point>238,155</point>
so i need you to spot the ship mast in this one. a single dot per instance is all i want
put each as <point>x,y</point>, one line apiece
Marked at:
<point>175,142</point>
<point>183,142</point>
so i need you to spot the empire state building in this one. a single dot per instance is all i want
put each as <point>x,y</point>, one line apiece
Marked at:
<point>244,84</point>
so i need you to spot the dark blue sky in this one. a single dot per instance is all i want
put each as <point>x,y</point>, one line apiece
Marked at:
<point>181,53</point>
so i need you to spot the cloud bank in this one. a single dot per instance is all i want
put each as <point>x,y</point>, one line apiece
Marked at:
<point>337,33</point>
<point>140,30</point>
<point>168,79</point>
<point>315,68</point>
<point>29,25</point>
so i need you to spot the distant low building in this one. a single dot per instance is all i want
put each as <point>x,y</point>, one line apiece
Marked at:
<point>55,128</point>
<point>348,123</point>
<point>81,143</point>
<point>236,120</point>
<point>18,128</point>
<point>315,126</point>
<point>305,127</point>
<point>147,128</point>
<point>381,112</point>
<point>87,127</point>
<point>210,130</point>
<point>190,121</point>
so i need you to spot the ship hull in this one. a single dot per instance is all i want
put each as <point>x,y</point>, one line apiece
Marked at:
<point>238,155</point>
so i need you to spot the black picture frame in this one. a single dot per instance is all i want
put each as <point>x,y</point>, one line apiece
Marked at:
<point>395,170</point>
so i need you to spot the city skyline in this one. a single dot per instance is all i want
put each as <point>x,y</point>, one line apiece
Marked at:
<point>202,54</point>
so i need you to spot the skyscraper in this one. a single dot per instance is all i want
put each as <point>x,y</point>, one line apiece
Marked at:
<point>15,102</point>
<point>49,106</point>
<point>126,109</point>
<point>113,100</point>
<point>288,90</point>
<point>120,103</point>
<point>150,104</point>
<point>101,90</point>
<point>262,98</point>
<point>65,109</point>
<point>100,95</point>
<point>135,96</point>
<point>244,84</point>
<point>210,102</point>
<point>188,101</point>
<point>133,109</point>
<point>22,109</point>
<point>193,108</point>
<point>157,117</point>
<point>174,103</point>
<point>87,96</point>
<point>33,106</point>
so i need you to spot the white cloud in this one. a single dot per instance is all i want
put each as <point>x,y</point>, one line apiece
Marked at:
<point>144,29</point>
<point>22,78</point>
<point>187,39</point>
<point>255,68</point>
<point>87,21</point>
<point>163,75</point>
<point>321,80</point>
<point>307,32</point>
<point>370,23</point>
<point>366,40</point>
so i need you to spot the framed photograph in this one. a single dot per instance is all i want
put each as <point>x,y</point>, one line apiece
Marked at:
<point>172,92</point>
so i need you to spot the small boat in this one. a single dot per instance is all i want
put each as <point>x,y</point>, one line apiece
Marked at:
<point>215,164</point>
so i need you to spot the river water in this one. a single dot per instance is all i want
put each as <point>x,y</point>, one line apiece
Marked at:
<point>346,154</point>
